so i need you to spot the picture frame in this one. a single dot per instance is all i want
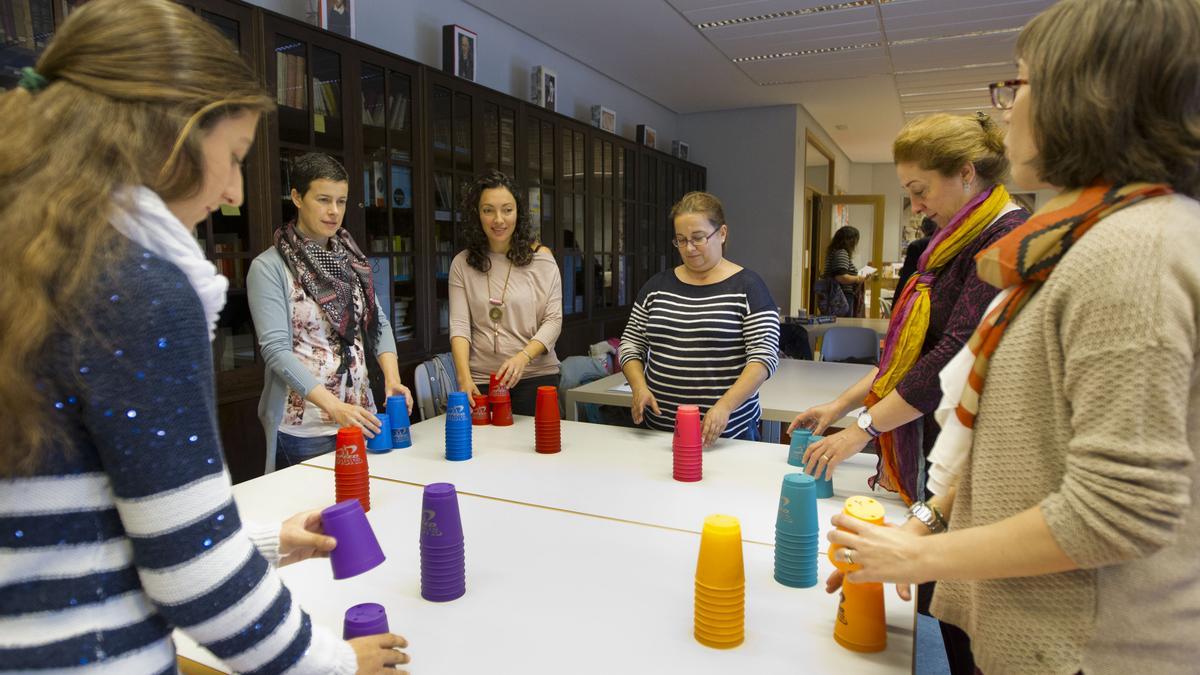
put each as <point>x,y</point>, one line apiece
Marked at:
<point>680,149</point>
<point>459,51</point>
<point>543,88</point>
<point>336,16</point>
<point>604,118</point>
<point>646,135</point>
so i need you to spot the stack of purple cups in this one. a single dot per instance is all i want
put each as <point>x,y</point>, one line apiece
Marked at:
<point>443,557</point>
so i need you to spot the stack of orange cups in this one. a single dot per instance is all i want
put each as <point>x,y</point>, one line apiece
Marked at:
<point>547,427</point>
<point>860,625</point>
<point>501,402</point>
<point>686,445</point>
<point>720,609</point>
<point>351,477</point>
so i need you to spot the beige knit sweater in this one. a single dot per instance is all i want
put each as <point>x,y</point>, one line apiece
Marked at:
<point>1092,409</point>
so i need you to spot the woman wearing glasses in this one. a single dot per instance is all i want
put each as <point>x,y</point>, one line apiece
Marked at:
<point>705,333</point>
<point>1067,470</point>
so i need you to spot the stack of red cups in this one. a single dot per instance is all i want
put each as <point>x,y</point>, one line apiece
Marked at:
<point>480,415</point>
<point>501,402</point>
<point>351,477</point>
<point>547,427</point>
<point>687,444</point>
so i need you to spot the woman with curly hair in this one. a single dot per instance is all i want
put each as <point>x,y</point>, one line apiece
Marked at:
<point>505,297</point>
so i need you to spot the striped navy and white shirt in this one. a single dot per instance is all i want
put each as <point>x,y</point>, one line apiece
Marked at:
<point>695,341</point>
<point>131,530</point>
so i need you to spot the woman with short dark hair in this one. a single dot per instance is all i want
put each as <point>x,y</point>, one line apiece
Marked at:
<point>1067,466</point>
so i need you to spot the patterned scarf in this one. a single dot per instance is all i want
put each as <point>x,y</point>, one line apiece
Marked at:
<point>899,449</point>
<point>330,277</point>
<point>1025,258</point>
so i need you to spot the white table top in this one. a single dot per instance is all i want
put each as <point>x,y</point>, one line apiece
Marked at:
<point>618,472</point>
<point>551,592</point>
<point>795,387</point>
<point>815,330</point>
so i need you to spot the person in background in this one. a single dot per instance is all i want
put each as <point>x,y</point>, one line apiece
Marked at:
<point>839,267</point>
<point>117,519</point>
<point>953,168</point>
<point>1067,468</point>
<point>505,297</point>
<point>912,253</point>
<point>314,306</point>
<point>704,333</point>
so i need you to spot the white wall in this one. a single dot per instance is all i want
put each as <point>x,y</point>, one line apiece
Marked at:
<point>800,227</point>
<point>504,59</point>
<point>751,159</point>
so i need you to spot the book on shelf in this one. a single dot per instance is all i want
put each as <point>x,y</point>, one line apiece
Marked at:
<point>401,187</point>
<point>397,111</point>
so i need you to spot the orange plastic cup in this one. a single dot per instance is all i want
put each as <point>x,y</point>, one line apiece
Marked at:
<point>861,625</point>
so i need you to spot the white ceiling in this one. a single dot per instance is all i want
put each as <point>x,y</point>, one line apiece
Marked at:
<point>887,59</point>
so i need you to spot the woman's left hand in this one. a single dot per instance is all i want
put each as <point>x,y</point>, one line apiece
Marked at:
<point>511,370</point>
<point>824,455</point>
<point>301,537</point>
<point>882,553</point>
<point>397,389</point>
<point>715,421</point>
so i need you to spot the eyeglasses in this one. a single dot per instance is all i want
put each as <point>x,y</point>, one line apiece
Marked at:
<point>696,240</point>
<point>1004,93</point>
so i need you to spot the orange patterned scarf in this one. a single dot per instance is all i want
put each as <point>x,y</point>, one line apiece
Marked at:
<point>1025,258</point>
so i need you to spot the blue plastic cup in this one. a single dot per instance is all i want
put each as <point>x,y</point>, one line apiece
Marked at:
<point>397,410</point>
<point>824,485</point>
<point>801,437</point>
<point>458,427</point>
<point>382,441</point>
<point>798,505</point>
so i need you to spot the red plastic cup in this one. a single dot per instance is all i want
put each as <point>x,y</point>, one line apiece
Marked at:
<point>687,426</point>
<point>502,411</point>
<point>547,425</point>
<point>351,474</point>
<point>480,414</point>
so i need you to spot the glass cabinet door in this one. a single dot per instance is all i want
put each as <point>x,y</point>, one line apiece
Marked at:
<point>453,172</point>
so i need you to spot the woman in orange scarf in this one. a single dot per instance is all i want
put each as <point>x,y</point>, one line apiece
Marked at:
<point>1068,468</point>
<point>952,167</point>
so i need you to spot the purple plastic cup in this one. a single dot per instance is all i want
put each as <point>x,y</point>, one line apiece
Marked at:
<point>362,620</point>
<point>357,548</point>
<point>443,594</point>
<point>441,525</point>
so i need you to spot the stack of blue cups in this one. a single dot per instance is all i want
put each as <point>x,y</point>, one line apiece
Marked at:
<point>801,438</point>
<point>797,534</point>
<point>458,427</point>
<point>397,410</point>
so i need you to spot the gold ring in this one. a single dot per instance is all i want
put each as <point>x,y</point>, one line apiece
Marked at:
<point>848,558</point>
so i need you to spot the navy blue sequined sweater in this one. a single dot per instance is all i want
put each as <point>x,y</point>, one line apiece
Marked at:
<point>131,530</point>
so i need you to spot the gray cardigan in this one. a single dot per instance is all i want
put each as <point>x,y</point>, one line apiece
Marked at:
<point>269,288</point>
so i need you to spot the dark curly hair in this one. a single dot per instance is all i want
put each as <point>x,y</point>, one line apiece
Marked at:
<point>520,252</point>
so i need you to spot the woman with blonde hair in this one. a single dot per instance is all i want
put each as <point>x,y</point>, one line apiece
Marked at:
<point>1067,466</point>
<point>117,521</point>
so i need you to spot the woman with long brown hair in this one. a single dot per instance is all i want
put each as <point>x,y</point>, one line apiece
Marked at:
<point>117,521</point>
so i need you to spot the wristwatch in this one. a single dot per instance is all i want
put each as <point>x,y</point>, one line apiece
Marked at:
<point>864,423</point>
<point>929,516</point>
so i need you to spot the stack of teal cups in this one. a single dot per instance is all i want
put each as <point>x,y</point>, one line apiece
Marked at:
<point>797,533</point>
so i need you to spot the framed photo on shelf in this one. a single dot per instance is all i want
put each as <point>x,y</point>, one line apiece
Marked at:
<point>680,149</point>
<point>542,85</point>
<point>646,135</point>
<point>604,118</point>
<point>336,16</point>
<point>458,51</point>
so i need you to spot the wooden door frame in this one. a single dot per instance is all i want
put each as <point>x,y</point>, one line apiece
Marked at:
<point>826,221</point>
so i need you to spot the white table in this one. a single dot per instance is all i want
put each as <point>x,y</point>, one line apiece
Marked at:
<point>552,592</point>
<point>617,472</point>
<point>795,387</point>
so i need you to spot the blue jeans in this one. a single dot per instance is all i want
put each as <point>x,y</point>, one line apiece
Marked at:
<point>750,433</point>
<point>291,450</point>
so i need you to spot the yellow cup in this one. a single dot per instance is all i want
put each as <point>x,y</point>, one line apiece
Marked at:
<point>735,619</point>
<point>718,641</point>
<point>719,565</point>
<point>861,625</point>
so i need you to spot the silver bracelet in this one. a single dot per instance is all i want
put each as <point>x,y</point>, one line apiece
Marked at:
<point>929,516</point>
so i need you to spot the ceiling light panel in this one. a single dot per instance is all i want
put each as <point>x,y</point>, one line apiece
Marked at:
<point>725,18</point>
<point>862,63</point>
<point>840,23</point>
<point>949,53</point>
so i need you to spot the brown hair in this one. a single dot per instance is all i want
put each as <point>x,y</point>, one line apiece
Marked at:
<point>133,86</point>
<point>702,203</point>
<point>944,143</point>
<point>1115,88</point>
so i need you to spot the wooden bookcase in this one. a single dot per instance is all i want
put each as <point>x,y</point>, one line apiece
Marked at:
<point>412,139</point>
